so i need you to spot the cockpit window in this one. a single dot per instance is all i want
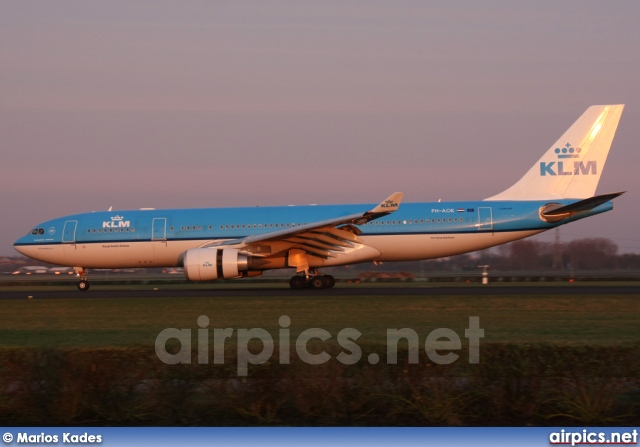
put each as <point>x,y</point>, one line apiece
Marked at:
<point>38,231</point>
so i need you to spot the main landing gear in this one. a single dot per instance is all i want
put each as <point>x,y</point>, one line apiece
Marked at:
<point>315,281</point>
<point>83,284</point>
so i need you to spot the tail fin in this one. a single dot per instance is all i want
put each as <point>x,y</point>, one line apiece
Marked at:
<point>571,168</point>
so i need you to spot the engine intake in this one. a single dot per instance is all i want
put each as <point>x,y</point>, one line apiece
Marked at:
<point>206,264</point>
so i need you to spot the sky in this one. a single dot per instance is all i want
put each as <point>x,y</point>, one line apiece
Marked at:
<point>177,104</point>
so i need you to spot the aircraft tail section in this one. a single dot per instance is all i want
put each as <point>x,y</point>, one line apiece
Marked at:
<point>571,168</point>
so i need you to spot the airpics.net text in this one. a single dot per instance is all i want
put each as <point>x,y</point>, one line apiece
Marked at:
<point>440,345</point>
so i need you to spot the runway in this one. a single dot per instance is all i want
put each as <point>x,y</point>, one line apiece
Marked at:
<point>337,292</point>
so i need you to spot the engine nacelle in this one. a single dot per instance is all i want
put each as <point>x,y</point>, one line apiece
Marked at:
<point>205,264</point>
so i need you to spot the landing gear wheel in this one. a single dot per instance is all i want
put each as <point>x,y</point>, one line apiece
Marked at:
<point>83,285</point>
<point>317,282</point>
<point>330,281</point>
<point>297,282</point>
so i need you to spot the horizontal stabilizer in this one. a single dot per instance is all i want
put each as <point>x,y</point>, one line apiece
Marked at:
<point>582,205</point>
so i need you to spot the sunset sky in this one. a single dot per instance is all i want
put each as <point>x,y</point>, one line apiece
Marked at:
<point>188,103</point>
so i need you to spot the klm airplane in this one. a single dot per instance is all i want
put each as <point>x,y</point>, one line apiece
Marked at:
<point>221,243</point>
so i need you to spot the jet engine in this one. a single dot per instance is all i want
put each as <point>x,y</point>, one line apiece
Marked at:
<point>205,264</point>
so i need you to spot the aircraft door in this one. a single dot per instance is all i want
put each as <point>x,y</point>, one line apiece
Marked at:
<point>485,218</point>
<point>69,232</point>
<point>159,232</point>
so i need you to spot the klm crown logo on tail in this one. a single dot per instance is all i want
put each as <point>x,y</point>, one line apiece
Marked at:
<point>568,168</point>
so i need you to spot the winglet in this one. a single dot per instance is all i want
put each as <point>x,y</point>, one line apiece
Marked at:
<point>388,205</point>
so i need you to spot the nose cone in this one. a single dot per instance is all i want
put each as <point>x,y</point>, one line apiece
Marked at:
<point>42,243</point>
<point>22,245</point>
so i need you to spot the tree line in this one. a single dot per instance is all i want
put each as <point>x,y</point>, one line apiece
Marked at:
<point>527,254</point>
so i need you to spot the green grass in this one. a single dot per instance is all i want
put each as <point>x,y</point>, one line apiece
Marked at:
<point>125,321</point>
<point>546,359</point>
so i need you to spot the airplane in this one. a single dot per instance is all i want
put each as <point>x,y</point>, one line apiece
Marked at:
<point>223,243</point>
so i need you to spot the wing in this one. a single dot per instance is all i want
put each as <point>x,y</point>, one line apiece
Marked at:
<point>324,239</point>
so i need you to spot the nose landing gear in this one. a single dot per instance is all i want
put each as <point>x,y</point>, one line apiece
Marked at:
<point>83,284</point>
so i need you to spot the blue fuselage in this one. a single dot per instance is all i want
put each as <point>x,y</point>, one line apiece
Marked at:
<point>414,231</point>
